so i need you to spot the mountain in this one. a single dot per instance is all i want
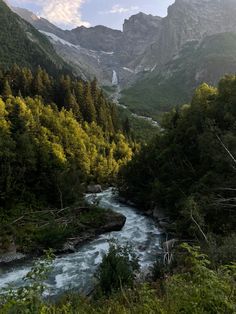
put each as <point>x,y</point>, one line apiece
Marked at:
<point>197,62</point>
<point>189,20</point>
<point>23,44</point>
<point>148,55</point>
<point>100,51</point>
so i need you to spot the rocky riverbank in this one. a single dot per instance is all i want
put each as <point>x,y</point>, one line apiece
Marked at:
<point>85,224</point>
<point>113,222</point>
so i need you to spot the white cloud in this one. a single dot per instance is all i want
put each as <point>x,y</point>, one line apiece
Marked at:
<point>65,13</point>
<point>118,9</point>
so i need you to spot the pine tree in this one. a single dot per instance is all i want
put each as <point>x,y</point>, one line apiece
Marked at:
<point>38,85</point>
<point>89,111</point>
<point>127,127</point>
<point>71,104</point>
<point>6,89</point>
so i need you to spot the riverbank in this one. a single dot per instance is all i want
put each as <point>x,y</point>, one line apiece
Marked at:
<point>63,230</point>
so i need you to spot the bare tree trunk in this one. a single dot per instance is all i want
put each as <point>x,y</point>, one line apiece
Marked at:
<point>199,227</point>
<point>226,149</point>
<point>61,196</point>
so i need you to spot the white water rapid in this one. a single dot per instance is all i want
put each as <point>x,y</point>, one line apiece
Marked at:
<point>76,271</point>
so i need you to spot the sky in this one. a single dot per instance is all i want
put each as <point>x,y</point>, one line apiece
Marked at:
<point>69,14</point>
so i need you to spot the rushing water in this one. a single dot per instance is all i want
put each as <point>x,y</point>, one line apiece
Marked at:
<point>76,271</point>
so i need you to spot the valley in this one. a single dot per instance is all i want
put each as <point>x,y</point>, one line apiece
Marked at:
<point>117,157</point>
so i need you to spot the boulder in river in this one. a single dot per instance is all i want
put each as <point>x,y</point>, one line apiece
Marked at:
<point>11,257</point>
<point>112,222</point>
<point>94,188</point>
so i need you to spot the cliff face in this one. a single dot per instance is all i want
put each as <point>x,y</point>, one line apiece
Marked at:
<point>190,20</point>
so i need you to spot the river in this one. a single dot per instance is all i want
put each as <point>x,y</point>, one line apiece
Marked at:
<point>76,271</point>
<point>116,97</point>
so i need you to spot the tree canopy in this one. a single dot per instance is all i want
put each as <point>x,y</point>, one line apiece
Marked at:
<point>188,171</point>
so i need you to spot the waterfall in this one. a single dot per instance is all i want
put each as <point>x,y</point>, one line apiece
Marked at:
<point>114,78</point>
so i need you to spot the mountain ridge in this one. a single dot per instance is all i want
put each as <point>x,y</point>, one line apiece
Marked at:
<point>146,45</point>
<point>21,43</point>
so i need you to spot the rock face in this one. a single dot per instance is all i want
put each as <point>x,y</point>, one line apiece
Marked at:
<point>98,38</point>
<point>94,188</point>
<point>197,62</point>
<point>190,20</point>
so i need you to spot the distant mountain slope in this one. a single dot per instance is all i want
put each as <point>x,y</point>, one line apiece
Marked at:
<point>100,50</point>
<point>196,63</point>
<point>23,44</point>
<point>161,59</point>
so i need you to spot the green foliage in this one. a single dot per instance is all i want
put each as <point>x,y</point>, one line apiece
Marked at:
<point>199,289</point>
<point>84,99</point>
<point>196,288</point>
<point>46,154</point>
<point>136,128</point>
<point>188,170</point>
<point>222,250</point>
<point>28,299</point>
<point>46,158</point>
<point>117,269</point>
<point>53,141</point>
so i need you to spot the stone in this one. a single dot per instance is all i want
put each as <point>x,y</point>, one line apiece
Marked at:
<point>94,189</point>
<point>11,257</point>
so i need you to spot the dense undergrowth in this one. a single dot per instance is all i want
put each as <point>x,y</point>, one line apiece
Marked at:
<point>193,286</point>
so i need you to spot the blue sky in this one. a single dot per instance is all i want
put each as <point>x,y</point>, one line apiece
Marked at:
<point>72,13</point>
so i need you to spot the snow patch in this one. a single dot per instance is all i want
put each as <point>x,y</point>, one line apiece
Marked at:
<point>58,39</point>
<point>129,70</point>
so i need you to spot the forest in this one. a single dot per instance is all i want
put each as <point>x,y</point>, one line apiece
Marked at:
<point>56,137</point>
<point>188,170</point>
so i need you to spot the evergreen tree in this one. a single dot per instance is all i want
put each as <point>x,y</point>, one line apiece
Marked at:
<point>6,89</point>
<point>89,111</point>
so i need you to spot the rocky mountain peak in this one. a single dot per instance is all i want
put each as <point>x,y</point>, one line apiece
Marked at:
<point>141,24</point>
<point>190,20</point>
<point>97,38</point>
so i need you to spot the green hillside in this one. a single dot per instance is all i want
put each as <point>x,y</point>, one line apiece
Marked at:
<point>21,43</point>
<point>214,57</point>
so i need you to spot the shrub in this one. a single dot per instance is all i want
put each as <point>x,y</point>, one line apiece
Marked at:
<point>117,269</point>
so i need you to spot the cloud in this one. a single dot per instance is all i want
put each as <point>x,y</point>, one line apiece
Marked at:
<point>118,9</point>
<point>65,13</point>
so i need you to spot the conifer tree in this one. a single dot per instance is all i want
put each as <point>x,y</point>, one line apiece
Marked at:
<point>6,89</point>
<point>89,111</point>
